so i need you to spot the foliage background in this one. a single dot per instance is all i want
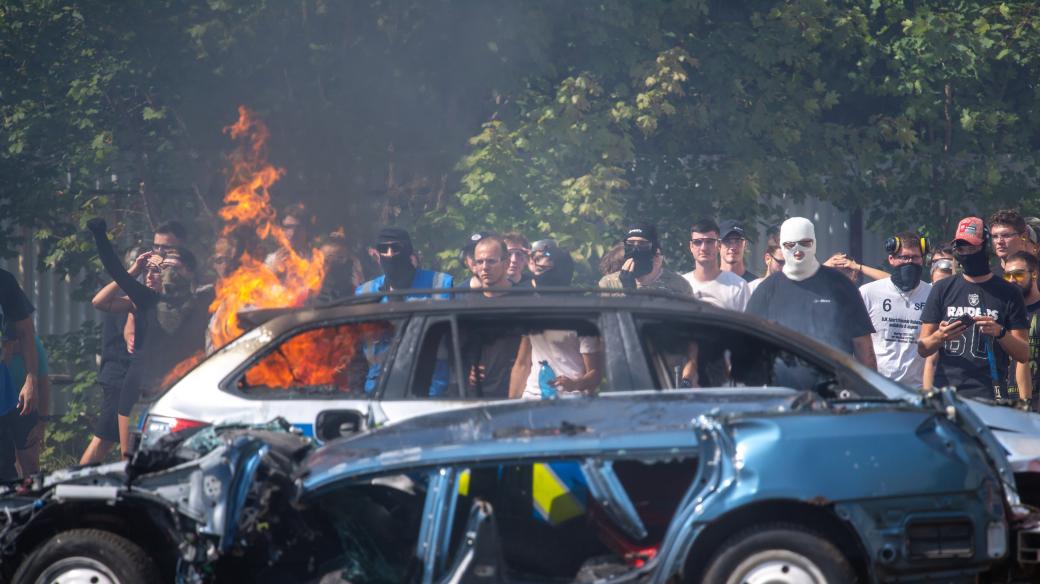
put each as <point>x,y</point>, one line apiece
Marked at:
<point>563,119</point>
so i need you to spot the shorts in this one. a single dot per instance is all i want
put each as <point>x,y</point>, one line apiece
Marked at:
<point>14,435</point>
<point>107,425</point>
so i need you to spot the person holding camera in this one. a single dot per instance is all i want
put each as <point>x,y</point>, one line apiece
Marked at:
<point>974,321</point>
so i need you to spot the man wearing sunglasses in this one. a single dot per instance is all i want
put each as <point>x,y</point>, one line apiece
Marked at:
<point>707,280</point>
<point>895,304</point>
<point>974,321</point>
<point>1008,233</point>
<point>519,253</point>
<point>812,299</point>
<point>1021,269</point>
<point>394,246</point>
<point>643,265</point>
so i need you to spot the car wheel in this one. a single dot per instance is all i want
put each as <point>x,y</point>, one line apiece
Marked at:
<point>778,554</point>
<point>87,555</point>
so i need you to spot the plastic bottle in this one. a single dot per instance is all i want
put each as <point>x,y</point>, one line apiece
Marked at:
<point>546,377</point>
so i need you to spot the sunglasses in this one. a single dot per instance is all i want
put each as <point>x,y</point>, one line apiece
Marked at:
<point>1019,276</point>
<point>964,247</point>
<point>640,245</point>
<point>908,259</point>
<point>943,265</point>
<point>704,242</point>
<point>386,248</point>
<point>802,243</point>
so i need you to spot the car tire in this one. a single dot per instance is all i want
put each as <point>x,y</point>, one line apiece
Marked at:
<point>778,553</point>
<point>90,555</point>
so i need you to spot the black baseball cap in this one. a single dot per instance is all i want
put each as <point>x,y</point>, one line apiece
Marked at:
<point>644,230</point>
<point>471,245</point>
<point>729,227</point>
<point>393,235</point>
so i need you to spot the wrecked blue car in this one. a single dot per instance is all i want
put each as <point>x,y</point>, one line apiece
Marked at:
<point>711,485</point>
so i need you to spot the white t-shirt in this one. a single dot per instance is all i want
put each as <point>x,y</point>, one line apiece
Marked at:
<point>563,350</point>
<point>754,284</point>
<point>897,319</point>
<point>728,290</point>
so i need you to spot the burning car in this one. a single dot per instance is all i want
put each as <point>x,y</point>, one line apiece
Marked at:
<point>712,485</point>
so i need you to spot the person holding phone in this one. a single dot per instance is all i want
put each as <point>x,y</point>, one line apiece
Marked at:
<point>975,322</point>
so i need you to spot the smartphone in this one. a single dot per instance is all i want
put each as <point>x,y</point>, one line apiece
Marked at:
<point>966,319</point>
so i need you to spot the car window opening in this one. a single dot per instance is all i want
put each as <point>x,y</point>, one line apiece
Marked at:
<point>682,355</point>
<point>496,358</point>
<point>334,360</point>
<point>551,528</point>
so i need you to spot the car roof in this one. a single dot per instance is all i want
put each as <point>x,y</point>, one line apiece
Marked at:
<point>618,422</point>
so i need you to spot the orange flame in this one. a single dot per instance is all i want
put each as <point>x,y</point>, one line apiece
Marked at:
<point>248,211</point>
<point>180,369</point>
<point>321,357</point>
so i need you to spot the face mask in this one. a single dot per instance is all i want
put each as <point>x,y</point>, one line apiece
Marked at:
<point>975,264</point>
<point>798,229</point>
<point>175,303</point>
<point>907,276</point>
<point>398,269</point>
<point>643,259</point>
<point>552,277</point>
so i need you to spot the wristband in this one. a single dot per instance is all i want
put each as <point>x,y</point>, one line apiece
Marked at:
<point>1003,331</point>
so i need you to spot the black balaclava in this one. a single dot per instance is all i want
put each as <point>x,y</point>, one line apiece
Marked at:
<point>907,276</point>
<point>973,264</point>
<point>560,274</point>
<point>398,269</point>
<point>643,259</point>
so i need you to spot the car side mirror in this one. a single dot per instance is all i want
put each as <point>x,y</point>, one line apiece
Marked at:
<point>332,424</point>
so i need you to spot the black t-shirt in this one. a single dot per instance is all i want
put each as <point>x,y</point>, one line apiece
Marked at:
<point>1033,318</point>
<point>114,357</point>
<point>748,276</point>
<point>826,306</point>
<point>964,362</point>
<point>496,353</point>
<point>14,304</point>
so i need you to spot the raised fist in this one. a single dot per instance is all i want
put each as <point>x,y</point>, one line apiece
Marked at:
<point>97,224</point>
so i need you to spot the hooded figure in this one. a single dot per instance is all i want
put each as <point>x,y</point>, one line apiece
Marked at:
<point>398,267</point>
<point>800,261</point>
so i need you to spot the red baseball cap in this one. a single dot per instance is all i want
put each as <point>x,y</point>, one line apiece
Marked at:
<point>970,230</point>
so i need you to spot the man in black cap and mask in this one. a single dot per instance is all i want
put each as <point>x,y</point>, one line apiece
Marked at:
<point>394,246</point>
<point>643,265</point>
<point>974,321</point>
<point>895,306</point>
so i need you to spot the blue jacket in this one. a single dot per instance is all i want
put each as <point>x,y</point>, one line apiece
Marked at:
<point>374,351</point>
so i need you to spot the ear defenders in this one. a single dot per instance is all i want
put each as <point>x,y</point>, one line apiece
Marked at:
<point>895,243</point>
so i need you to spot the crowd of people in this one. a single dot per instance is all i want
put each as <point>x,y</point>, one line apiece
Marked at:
<point>967,324</point>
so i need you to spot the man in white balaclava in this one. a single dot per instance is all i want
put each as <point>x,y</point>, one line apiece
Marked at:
<point>813,299</point>
<point>798,244</point>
